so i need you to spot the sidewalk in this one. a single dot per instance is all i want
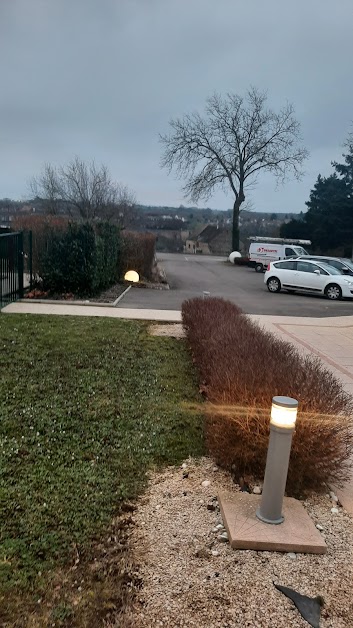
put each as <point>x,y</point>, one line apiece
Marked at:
<point>67,309</point>
<point>331,339</point>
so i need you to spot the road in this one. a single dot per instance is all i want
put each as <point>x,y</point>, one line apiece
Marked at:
<point>191,275</point>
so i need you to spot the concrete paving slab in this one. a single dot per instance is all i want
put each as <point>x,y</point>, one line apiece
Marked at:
<point>245,531</point>
<point>345,496</point>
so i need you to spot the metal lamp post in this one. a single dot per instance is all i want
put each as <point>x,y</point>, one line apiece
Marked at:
<point>282,424</point>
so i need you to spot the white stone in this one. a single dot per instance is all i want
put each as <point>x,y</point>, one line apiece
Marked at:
<point>223,537</point>
<point>215,469</point>
<point>334,511</point>
<point>257,490</point>
<point>158,507</point>
<point>184,465</point>
<point>334,499</point>
<point>206,483</point>
<point>214,553</point>
<point>292,555</point>
<point>215,530</point>
<point>319,527</point>
<point>219,526</point>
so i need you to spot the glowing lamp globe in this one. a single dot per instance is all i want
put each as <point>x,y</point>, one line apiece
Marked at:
<point>233,255</point>
<point>132,276</point>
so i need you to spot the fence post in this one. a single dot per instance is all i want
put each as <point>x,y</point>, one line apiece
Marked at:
<point>30,246</point>
<point>2,271</point>
<point>20,265</point>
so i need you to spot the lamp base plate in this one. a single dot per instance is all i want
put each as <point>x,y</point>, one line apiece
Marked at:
<point>245,530</point>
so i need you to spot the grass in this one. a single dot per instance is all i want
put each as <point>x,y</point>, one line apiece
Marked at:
<point>87,407</point>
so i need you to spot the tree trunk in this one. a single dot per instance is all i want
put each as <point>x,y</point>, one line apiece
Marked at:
<point>236,232</point>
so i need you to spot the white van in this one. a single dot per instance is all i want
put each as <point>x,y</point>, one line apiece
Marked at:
<point>262,251</point>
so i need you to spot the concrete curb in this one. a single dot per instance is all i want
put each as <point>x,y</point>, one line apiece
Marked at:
<point>63,302</point>
<point>121,296</point>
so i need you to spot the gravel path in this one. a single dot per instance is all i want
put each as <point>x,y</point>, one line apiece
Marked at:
<point>173,330</point>
<point>191,578</point>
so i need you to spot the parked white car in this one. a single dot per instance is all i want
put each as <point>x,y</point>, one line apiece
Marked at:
<point>310,277</point>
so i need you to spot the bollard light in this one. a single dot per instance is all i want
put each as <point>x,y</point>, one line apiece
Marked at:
<point>282,424</point>
<point>206,294</point>
<point>132,276</point>
<point>284,412</point>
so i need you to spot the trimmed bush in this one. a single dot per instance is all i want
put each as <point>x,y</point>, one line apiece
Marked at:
<point>82,260</point>
<point>322,446</point>
<point>108,255</point>
<point>138,252</point>
<point>241,367</point>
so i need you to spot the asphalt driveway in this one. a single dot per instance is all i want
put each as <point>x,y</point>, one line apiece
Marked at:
<point>191,275</point>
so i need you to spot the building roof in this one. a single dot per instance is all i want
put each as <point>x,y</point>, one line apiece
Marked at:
<point>210,232</point>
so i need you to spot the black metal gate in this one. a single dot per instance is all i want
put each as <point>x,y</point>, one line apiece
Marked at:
<point>15,266</point>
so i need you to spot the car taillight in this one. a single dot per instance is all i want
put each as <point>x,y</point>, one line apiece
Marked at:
<point>268,267</point>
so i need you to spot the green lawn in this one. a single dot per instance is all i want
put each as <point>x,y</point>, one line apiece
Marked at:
<point>87,406</point>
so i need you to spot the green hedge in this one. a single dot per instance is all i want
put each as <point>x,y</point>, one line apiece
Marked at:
<point>82,259</point>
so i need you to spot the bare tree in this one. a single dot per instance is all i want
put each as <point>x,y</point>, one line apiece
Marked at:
<point>229,146</point>
<point>47,185</point>
<point>122,210</point>
<point>85,189</point>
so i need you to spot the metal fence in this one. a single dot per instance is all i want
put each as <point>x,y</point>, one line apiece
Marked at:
<point>15,265</point>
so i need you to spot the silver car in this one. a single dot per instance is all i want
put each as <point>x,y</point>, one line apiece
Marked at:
<point>345,266</point>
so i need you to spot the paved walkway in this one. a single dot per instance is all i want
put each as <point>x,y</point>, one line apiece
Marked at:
<point>329,338</point>
<point>68,309</point>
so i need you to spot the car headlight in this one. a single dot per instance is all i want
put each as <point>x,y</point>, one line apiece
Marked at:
<point>350,283</point>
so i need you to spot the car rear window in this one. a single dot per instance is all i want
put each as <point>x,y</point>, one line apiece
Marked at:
<point>288,265</point>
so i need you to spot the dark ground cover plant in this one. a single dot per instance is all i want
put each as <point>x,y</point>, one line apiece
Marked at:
<point>241,367</point>
<point>87,407</point>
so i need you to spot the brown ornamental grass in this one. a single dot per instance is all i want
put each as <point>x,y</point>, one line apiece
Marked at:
<point>241,367</point>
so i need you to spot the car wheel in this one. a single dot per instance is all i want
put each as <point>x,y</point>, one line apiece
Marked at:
<point>273,284</point>
<point>333,292</point>
<point>259,268</point>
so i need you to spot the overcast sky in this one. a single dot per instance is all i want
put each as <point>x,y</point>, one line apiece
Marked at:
<point>101,78</point>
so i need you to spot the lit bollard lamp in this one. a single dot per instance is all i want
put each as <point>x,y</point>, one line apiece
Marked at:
<point>282,424</point>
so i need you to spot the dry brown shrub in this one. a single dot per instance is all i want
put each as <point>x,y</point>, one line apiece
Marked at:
<point>321,451</point>
<point>241,367</point>
<point>138,251</point>
<point>241,363</point>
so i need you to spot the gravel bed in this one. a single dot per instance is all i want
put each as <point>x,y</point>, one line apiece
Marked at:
<point>174,330</point>
<point>192,578</point>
